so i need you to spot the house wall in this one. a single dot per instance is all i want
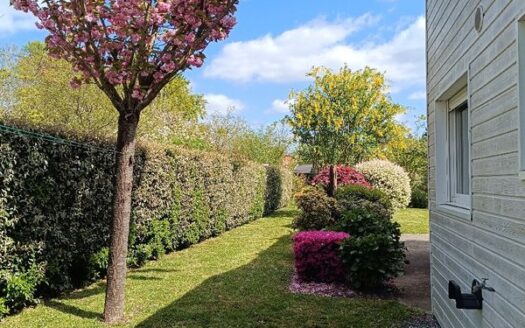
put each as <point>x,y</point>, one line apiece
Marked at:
<point>489,240</point>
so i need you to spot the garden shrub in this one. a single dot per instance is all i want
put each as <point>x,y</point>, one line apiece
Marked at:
<point>56,203</point>
<point>354,197</point>
<point>375,253</point>
<point>345,176</point>
<point>390,178</point>
<point>299,182</point>
<point>371,260</point>
<point>19,288</point>
<point>419,198</point>
<point>98,264</point>
<point>317,256</point>
<point>4,310</point>
<point>361,221</point>
<point>140,254</point>
<point>318,211</point>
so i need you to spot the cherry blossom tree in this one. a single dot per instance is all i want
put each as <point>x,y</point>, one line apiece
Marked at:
<point>130,49</point>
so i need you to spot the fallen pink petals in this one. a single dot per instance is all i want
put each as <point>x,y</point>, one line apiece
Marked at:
<point>323,289</point>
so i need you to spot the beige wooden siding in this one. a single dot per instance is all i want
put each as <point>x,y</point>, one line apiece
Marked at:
<point>492,245</point>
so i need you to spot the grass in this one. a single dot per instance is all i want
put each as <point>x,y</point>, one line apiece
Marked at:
<point>413,220</point>
<point>237,280</point>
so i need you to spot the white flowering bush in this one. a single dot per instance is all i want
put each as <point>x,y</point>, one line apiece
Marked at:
<point>390,178</point>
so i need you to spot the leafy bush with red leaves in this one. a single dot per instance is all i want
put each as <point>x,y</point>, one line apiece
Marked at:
<point>317,256</point>
<point>345,176</point>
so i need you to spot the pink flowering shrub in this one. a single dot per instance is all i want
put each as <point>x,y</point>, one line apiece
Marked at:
<point>345,176</point>
<point>317,256</point>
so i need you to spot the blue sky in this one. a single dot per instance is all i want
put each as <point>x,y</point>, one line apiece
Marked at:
<point>276,42</point>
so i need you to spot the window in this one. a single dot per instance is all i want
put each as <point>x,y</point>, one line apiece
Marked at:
<point>452,150</point>
<point>458,150</point>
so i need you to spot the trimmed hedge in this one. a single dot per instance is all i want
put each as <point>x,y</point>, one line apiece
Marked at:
<point>390,178</point>
<point>279,188</point>
<point>56,204</point>
<point>419,198</point>
<point>317,256</point>
<point>318,211</point>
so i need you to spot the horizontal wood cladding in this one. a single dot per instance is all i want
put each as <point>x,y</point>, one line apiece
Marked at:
<point>492,244</point>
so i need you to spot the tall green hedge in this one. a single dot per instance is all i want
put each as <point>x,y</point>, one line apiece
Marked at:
<point>279,191</point>
<point>56,204</point>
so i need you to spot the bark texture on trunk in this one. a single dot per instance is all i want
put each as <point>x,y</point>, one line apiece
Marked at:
<point>125,158</point>
<point>332,186</point>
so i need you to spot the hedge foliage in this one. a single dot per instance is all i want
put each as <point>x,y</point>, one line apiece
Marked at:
<point>56,205</point>
<point>318,211</point>
<point>279,188</point>
<point>390,178</point>
<point>375,253</point>
<point>354,197</point>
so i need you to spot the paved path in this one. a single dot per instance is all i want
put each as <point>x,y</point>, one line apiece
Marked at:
<point>414,286</point>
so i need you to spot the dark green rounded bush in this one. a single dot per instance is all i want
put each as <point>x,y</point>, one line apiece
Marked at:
<point>374,253</point>
<point>419,198</point>
<point>318,211</point>
<point>355,197</point>
<point>370,260</point>
<point>361,221</point>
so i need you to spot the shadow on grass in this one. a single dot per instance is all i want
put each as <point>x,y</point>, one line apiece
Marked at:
<point>139,277</point>
<point>98,288</point>
<point>148,270</point>
<point>257,295</point>
<point>283,213</point>
<point>254,295</point>
<point>249,295</point>
<point>73,310</point>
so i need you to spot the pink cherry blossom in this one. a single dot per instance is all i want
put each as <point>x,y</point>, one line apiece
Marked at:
<point>131,48</point>
<point>195,61</point>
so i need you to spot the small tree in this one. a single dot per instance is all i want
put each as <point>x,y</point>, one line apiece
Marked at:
<point>343,117</point>
<point>130,49</point>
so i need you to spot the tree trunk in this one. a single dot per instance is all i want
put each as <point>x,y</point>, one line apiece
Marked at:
<point>332,185</point>
<point>125,158</point>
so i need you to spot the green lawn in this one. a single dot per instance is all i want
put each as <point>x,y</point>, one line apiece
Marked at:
<point>237,280</point>
<point>413,220</point>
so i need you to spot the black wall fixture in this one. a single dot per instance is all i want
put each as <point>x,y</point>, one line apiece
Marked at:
<point>472,301</point>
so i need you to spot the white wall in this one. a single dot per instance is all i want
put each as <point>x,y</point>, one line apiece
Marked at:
<point>488,241</point>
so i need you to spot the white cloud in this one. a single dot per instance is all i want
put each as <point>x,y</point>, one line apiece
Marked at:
<point>221,104</point>
<point>419,95</point>
<point>12,20</point>
<point>279,106</point>
<point>290,55</point>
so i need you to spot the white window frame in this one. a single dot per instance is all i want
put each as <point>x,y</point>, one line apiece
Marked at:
<point>521,93</point>
<point>459,205</point>
<point>455,198</point>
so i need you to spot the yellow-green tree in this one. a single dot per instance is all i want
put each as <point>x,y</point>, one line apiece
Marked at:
<point>233,135</point>
<point>411,153</point>
<point>344,117</point>
<point>40,94</point>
